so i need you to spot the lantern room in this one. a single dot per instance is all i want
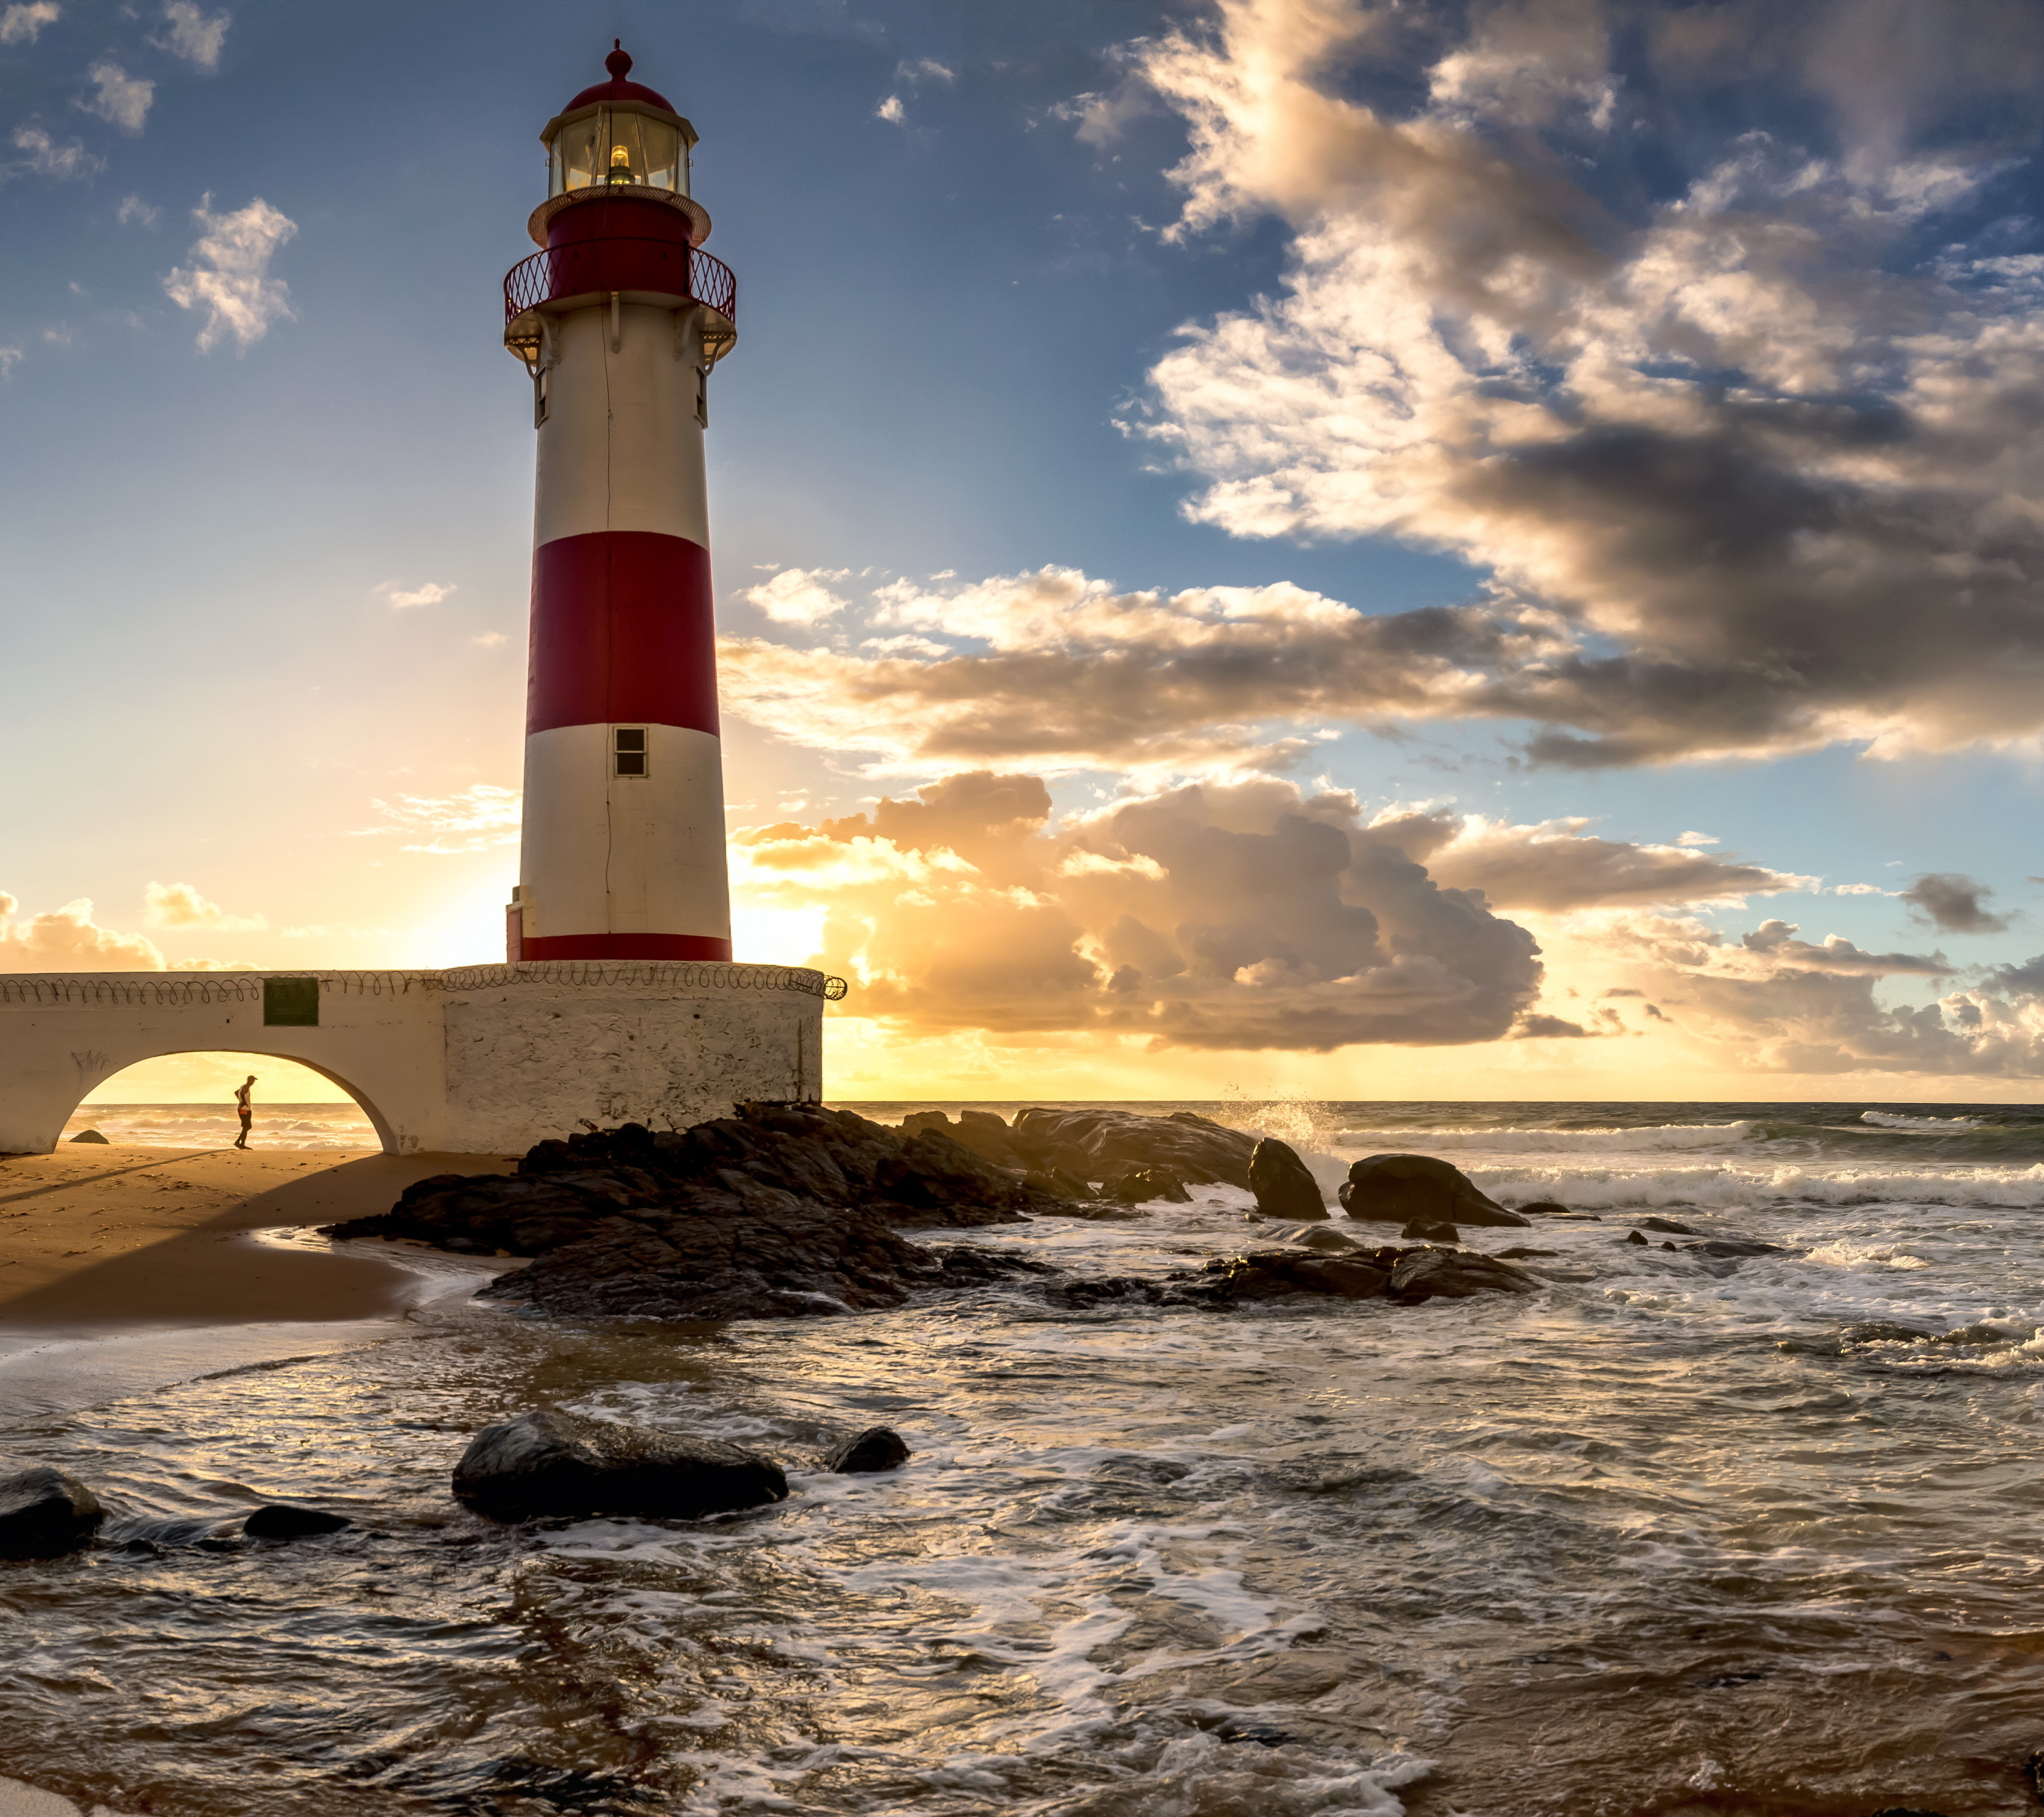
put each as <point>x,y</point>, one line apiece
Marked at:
<point>619,135</point>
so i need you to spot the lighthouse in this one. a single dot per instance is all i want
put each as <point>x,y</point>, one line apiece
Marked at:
<point>618,318</point>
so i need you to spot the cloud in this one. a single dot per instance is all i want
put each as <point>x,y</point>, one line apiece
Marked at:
<point>924,69</point>
<point>478,818</point>
<point>1554,867</point>
<point>22,24</point>
<point>120,99</point>
<point>1761,459</point>
<point>798,596</point>
<point>1951,904</point>
<point>180,905</point>
<point>1245,916</point>
<point>427,592</point>
<point>891,109</point>
<point>10,357</point>
<point>1075,675</point>
<point>68,940</point>
<point>229,276</point>
<point>1699,839</point>
<point>133,210</point>
<point>193,36</point>
<point>47,158</point>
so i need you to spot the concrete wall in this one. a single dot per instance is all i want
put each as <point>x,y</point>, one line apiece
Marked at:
<point>484,1060</point>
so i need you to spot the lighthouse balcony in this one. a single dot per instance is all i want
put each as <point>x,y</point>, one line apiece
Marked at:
<point>670,274</point>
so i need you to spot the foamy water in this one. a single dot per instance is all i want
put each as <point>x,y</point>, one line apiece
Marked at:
<point>1658,1538</point>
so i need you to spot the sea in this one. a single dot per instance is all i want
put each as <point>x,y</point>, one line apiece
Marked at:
<point>1678,1534</point>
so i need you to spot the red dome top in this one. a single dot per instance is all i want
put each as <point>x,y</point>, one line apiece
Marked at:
<point>619,64</point>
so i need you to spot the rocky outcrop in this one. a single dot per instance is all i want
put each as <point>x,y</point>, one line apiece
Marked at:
<point>1093,1144</point>
<point>1431,1274</point>
<point>91,1135</point>
<point>1284,1184</point>
<point>778,1213</point>
<point>1320,1237</point>
<point>1417,1188</point>
<point>1145,1186</point>
<point>878,1448</point>
<point>1406,1275</point>
<point>280,1520</point>
<point>553,1463</point>
<point>45,1513</point>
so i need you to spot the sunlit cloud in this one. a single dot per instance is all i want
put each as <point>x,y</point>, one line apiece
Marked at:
<point>69,940</point>
<point>478,818</point>
<point>119,98</point>
<point>181,905</point>
<point>230,275</point>
<point>798,596</point>
<point>428,593</point>
<point>22,24</point>
<point>195,36</point>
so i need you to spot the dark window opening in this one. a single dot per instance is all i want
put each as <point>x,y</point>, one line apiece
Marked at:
<point>628,750</point>
<point>291,1003</point>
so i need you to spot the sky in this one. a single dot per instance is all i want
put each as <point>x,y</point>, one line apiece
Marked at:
<point>1274,547</point>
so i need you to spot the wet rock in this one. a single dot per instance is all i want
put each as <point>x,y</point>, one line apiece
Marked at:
<point>1420,1230</point>
<point>1094,1144</point>
<point>1978,1335</point>
<point>1141,1185</point>
<point>1321,1237</point>
<point>280,1520</point>
<point>2033,1774</point>
<point>878,1448</point>
<point>1423,1274</point>
<point>91,1135</point>
<point>1408,1189</point>
<point>1107,1290</point>
<point>1669,1247</point>
<point>45,1513</point>
<point>1054,1183</point>
<point>1634,1237</point>
<point>1283,1274</point>
<point>780,1211</point>
<point>1880,1331</point>
<point>1668,1227</point>
<point>1732,1246</point>
<point>1519,1253</point>
<point>979,1132</point>
<point>1547,1208</point>
<point>553,1463</point>
<point>1905,1811</point>
<point>1284,1184</point>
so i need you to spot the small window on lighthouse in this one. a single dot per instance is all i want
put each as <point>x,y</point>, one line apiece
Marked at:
<point>629,745</point>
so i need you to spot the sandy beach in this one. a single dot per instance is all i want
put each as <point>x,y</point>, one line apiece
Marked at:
<point>118,1236</point>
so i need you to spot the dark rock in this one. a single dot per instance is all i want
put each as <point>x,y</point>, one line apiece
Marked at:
<point>45,1513</point>
<point>1284,1184</point>
<point>1547,1208</point>
<point>557,1463</point>
<point>1141,1185</point>
<point>1101,1290</point>
<point>1454,1274</point>
<point>1634,1237</point>
<point>1668,1227</point>
<point>91,1135</point>
<point>1730,1247</point>
<point>979,1131</point>
<point>780,1211</point>
<point>2033,1774</point>
<point>1282,1274</point>
<point>1409,1189</point>
<point>1320,1238</point>
<point>1096,1143</point>
<point>1879,1331</point>
<point>279,1520</point>
<point>1519,1252</point>
<point>878,1448</point>
<point>1420,1230</point>
<point>1669,1246</point>
<point>1981,1334</point>
<point>1905,1811</point>
<point>1054,1183</point>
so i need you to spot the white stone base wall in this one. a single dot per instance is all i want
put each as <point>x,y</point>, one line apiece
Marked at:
<point>482,1061</point>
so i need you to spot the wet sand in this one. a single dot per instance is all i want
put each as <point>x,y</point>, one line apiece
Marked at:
<point>95,1237</point>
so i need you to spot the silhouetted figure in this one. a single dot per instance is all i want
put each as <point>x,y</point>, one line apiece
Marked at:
<point>241,1103</point>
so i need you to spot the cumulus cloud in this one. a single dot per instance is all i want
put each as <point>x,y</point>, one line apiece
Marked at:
<point>195,36</point>
<point>476,819</point>
<point>1951,904</point>
<point>134,211</point>
<point>119,98</point>
<point>68,940</point>
<point>47,157</point>
<point>181,905</point>
<point>229,275</point>
<point>1071,673</point>
<point>1243,915</point>
<point>428,593</point>
<point>798,596</point>
<point>892,110</point>
<point>22,24</point>
<point>1766,467</point>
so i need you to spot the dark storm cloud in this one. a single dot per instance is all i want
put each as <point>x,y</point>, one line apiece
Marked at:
<point>1951,904</point>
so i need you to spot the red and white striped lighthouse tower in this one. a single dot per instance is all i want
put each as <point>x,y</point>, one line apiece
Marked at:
<point>619,319</point>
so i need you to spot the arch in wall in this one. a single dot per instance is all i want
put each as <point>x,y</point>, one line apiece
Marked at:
<point>381,1124</point>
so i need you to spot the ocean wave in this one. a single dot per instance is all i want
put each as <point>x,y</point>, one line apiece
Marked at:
<point>1649,1138</point>
<point>1726,1187</point>
<point>1927,1125</point>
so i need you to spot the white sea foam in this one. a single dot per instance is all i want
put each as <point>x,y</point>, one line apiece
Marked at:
<point>1651,1138</point>
<point>1929,1125</point>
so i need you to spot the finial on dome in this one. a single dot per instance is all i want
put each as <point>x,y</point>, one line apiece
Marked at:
<point>619,62</point>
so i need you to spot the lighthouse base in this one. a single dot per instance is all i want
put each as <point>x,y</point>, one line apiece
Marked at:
<point>481,1060</point>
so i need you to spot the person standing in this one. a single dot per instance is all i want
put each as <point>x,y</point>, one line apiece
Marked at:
<point>247,1114</point>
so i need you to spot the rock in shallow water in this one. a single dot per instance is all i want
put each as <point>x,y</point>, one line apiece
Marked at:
<point>1409,1189</point>
<point>1095,1143</point>
<point>556,1463</point>
<point>45,1513</point>
<point>878,1448</point>
<point>1284,1184</point>
<point>279,1520</point>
